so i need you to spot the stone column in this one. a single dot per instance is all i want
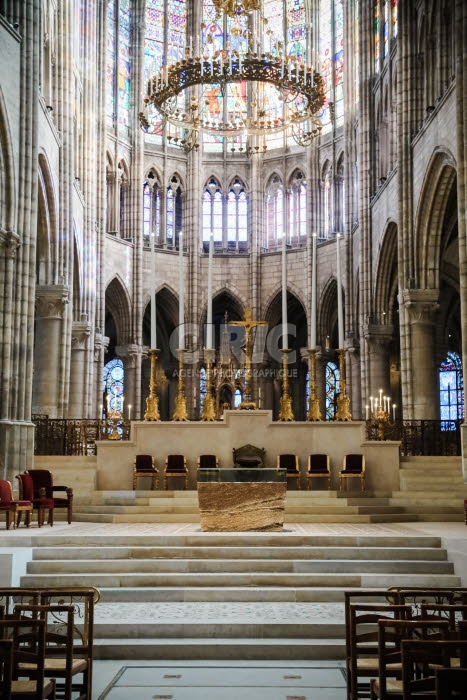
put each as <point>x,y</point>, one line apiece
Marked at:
<point>354,389</point>
<point>79,345</point>
<point>378,338</point>
<point>101,343</point>
<point>422,306</point>
<point>51,302</point>
<point>131,355</point>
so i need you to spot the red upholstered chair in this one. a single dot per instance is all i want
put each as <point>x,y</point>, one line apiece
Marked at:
<point>208,462</point>
<point>13,508</point>
<point>353,467</point>
<point>143,465</point>
<point>318,466</point>
<point>43,479</point>
<point>41,503</point>
<point>290,463</point>
<point>175,465</point>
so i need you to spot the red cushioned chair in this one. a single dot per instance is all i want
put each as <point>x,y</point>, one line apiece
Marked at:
<point>143,465</point>
<point>175,465</point>
<point>353,468</point>
<point>290,463</point>
<point>41,503</point>
<point>43,479</point>
<point>13,508</point>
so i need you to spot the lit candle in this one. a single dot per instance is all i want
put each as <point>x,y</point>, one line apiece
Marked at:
<point>381,398</point>
<point>284,294</point>
<point>313,297</point>
<point>367,412</point>
<point>181,303</point>
<point>371,405</point>
<point>209,321</point>
<point>340,311</point>
<point>394,411</point>
<point>129,411</point>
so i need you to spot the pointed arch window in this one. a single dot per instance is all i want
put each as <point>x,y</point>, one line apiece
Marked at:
<point>113,381</point>
<point>226,217</point>
<point>385,29</point>
<point>173,212</point>
<point>202,389</point>
<point>118,64</point>
<point>237,398</point>
<point>274,214</point>
<point>332,389</point>
<point>151,209</point>
<point>298,210</point>
<point>237,216</point>
<point>451,391</point>
<point>328,213</point>
<point>331,51</point>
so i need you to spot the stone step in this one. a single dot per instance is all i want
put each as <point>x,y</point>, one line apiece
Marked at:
<point>251,567</point>
<point>229,649</point>
<point>242,553</point>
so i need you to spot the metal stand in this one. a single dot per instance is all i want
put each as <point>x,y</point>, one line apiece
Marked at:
<point>314,413</point>
<point>343,401</point>
<point>152,402</point>
<point>286,412</point>
<point>209,411</point>
<point>180,413</point>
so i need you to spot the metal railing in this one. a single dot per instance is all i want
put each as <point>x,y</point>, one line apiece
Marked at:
<point>420,437</point>
<point>74,436</point>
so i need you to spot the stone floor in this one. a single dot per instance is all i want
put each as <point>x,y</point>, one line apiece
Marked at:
<point>219,680</point>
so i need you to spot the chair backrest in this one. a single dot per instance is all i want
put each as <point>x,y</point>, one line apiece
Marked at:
<point>42,479</point>
<point>6,667</point>
<point>450,683</point>
<point>248,456</point>
<point>9,597</point>
<point>318,463</point>
<point>28,637</point>
<point>144,463</point>
<point>354,463</point>
<point>287,461</point>
<point>420,657</point>
<point>6,492</point>
<point>175,463</point>
<point>453,613</point>
<point>26,486</point>
<point>208,461</point>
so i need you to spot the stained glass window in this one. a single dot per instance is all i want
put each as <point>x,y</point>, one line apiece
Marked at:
<point>154,53</point>
<point>173,212</point>
<point>233,209</point>
<point>394,18</point>
<point>237,398</point>
<point>111,51</point>
<point>113,381</point>
<point>156,212</point>
<point>296,28</point>
<point>237,215</point>
<point>451,391</point>
<point>332,389</point>
<point>339,62</point>
<point>298,209</point>
<point>274,213</point>
<point>386,28</point>
<point>307,389</point>
<point>124,41</point>
<point>377,32</point>
<point>325,52</point>
<point>327,200</point>
<point>202,389</point>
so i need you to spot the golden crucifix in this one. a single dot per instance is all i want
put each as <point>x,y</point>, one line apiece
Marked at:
<point>248,324</point>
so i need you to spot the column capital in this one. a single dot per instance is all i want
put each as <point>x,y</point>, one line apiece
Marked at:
<point>377,335</point>
<point>80,333</point>
<point>101,343</point>
<point>9,242</point>
<point>130,353</point>
<point>422,304</point>
<point>51,300</point>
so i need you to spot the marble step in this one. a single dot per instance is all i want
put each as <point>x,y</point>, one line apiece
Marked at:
<point>253,567</point>
<point>229,649</point>
<point>243,552</point>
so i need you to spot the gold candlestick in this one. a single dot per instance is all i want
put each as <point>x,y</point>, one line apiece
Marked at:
<point>209,412</point>
<point>180,413</point>
<point>248,324</point>
<point>314,413</point>
<point>152,402</point>
<point>343,401</point>
<point>286,412</point>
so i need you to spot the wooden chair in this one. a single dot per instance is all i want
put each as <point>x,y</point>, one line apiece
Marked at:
<point>363,636</point>
<point>27,637</point>
<point>208,462</point>
<point>248,456</point>
<point>143,465</point>
<point>453,613</point>
<point>60,661</point>
<point>40,502</point>
<point>451,683</point>
<point>319,466</point>
<point>390,635</point>
<point>353,467</point>
<point>423,659</point>
<point>12,596</point>
<point>289,462</point>
<point>43,479</point>
<point>13,509</point>
<point>175,465</point>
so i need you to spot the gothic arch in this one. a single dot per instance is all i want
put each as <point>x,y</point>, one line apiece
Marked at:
<point>117,304</point>
<point>386,275</point>
<point>7,176</point>
<point>439,180</point>
<point>46,245</point>
<point>327,314</point>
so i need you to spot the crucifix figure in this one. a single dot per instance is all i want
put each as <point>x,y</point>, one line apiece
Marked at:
<point>248,324</point>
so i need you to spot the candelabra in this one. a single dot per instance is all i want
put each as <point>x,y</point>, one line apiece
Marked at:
<point>152,402</point>
<point>314,413</point>
<point>209,412</point>
<point>343,401</point>
<point>286,412</point>
<point>380,414</point>
<point>180,413</point>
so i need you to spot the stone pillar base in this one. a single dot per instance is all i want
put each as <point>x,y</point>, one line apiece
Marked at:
<point>16,448</point>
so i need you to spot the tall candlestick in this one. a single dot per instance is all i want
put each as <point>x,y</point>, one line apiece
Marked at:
<point>129,411</point>
<point>381,398</point>
<point>367,412</point>
<point>313,297</point>
<point>152,277</point>
<point>340,311</point>
<point>181,303</point>
<point>393,411</point>
<point>284,294</point>
<point>209,323</point>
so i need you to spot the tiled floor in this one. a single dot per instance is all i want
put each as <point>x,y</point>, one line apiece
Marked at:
<point>221,680</point>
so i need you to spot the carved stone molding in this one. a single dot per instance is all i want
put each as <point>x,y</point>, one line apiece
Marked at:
<point>51,301</point>
<point>129,353</point>
<point>80,335</point>
<point>9,243</point>
<point>101,343</point>
<point>377,336</point>
<point>421,304</point>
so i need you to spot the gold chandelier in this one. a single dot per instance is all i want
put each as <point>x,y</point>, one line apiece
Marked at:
<point>180,95</point>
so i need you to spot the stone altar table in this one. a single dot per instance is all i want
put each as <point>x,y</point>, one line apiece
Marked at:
<point>241,499</point>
